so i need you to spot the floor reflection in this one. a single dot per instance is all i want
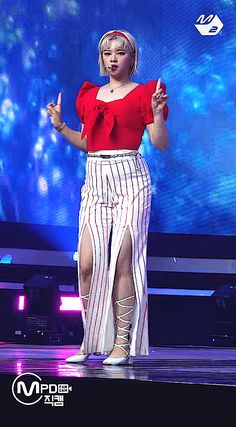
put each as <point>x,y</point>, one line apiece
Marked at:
<point>182,365</point>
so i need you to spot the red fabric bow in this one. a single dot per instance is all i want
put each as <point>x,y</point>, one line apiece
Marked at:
<point>99,112</point>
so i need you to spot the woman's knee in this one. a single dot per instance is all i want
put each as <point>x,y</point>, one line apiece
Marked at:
<point>85,255</point>
<point>124,260</point>
<point>85,268</point>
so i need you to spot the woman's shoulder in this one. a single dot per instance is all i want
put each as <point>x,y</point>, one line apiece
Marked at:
<point>85,88</point>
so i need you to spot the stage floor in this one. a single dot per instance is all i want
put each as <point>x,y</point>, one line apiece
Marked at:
<point>193,365</point>
<point>171,386</point>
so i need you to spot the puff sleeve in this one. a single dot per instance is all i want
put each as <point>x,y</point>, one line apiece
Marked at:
<point>81,99</point>
<point>146,107</point>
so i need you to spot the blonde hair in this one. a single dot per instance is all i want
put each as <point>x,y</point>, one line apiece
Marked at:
<point>129,45</point>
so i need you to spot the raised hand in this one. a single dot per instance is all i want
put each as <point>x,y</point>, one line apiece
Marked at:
<point>159,99</point>
<point>54,111</point>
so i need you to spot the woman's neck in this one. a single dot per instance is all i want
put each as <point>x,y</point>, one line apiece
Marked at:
<point>119,81</point>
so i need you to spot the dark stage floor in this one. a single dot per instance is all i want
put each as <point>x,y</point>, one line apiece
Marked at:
<point>194,365</point>
<point>169,377</point>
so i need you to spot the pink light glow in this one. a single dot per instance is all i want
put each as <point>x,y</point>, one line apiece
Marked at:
<point>67,303</point>
<point>70,304</point>
<point>21,302</point>
<point>19,368</point>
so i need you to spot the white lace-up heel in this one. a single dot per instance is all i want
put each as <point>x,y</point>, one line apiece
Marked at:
<point>79,357</point>
<point>122,360</point>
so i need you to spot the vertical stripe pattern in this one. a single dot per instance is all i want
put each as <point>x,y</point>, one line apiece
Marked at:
<point>116,195</point>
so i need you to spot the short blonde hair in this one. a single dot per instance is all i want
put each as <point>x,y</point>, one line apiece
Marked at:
<point>129,45</point>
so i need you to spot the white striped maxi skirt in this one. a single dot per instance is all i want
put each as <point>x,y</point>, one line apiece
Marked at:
<point>116,194</point>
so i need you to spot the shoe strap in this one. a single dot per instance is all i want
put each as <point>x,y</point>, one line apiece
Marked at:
<point>121,346</point>
<point>124,299</point>
<point>125,328</point>
<point>119,316</point>
<point>124,336</point>
<point>86,297</point>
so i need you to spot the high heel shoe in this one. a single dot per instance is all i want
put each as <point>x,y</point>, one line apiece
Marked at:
<point>118,361</point>
<point>122,360</point>
<point>77,358</point>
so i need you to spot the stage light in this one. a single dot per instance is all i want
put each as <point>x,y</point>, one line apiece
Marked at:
<point>6,259</point>
<point>75,256</point>
<point>70,304</point>
<point>66,303</point>
<point>21,302</point>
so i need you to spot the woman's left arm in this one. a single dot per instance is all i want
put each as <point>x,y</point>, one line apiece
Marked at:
<point>157,130</point>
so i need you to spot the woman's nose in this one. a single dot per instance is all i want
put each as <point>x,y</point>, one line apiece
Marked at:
<point>113,57</point>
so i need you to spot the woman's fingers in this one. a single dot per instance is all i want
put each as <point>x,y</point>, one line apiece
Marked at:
<point>157,94</point>
<point>160,95</point>
<point>51,104</point>
<point>50,110</point>
<point>59,99</point>
<point>158,87</point>
<point>54,110</point>
<point>158,84</point>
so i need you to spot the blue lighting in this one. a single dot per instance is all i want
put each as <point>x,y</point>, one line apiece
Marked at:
<point>49,46</point>
<point>181,292</point>
<point>6,259</point>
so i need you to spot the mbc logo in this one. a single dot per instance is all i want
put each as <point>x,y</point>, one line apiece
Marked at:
<point>28,389</point>
<point>209,26</point>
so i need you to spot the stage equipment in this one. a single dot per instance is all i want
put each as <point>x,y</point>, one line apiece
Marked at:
<point>224,329</point>
<point>44,323</point>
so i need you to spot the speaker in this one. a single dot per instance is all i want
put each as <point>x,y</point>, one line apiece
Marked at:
<point>224,330</point>
<point>42,299</point>
<point>42,294</point>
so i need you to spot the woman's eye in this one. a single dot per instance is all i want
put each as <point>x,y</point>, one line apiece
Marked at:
<point>108,53</point>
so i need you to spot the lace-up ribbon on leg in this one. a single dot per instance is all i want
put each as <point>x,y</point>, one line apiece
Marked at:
<point>126,336</point>
<point>79,357</point>
<point>86,297</point>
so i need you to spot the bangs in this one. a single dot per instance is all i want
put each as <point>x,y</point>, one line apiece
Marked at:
<point>121,43</point>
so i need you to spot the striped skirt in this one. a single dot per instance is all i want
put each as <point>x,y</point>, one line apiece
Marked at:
<point>116,194</point>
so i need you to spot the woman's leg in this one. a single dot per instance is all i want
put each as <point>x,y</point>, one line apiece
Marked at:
<point>85,263</point>
<point>85,266</point>
<point>123,297</point>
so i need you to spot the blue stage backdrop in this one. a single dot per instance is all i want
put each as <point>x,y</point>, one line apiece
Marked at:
<point>50,46</point>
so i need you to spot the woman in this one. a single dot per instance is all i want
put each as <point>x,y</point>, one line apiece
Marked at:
<point>115,200</point>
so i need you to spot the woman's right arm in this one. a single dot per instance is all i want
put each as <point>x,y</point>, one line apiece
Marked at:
<point>72,136</point>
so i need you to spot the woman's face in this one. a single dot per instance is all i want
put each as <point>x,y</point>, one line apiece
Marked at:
<point>117,60</point>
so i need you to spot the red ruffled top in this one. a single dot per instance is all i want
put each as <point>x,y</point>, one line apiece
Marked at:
<point>117,124</point>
